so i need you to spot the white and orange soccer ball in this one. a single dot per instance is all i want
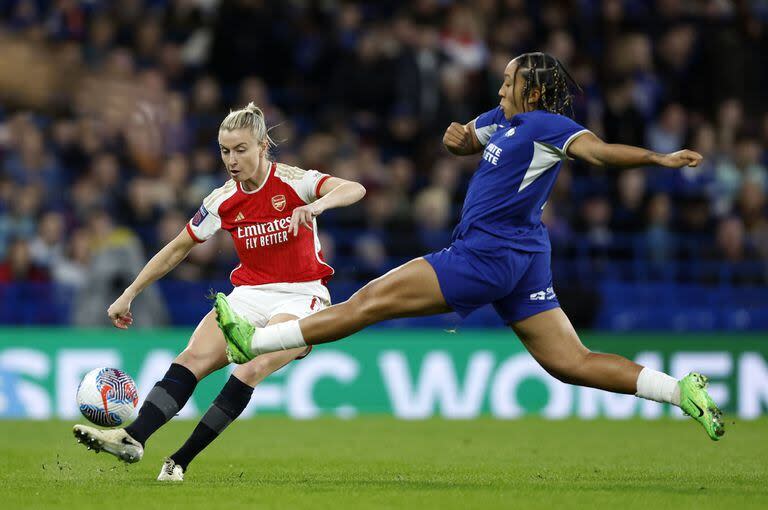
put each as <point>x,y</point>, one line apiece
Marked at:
<point>107,397</point>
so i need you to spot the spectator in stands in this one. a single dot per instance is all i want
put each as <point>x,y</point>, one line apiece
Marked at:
<point>596,212</point>
<point>454,84</point>
<point>105,176</point>
<point>432,214</point>
<point>205,109</point>
<point>48,245</point>
<point>117,257</point>
<point>353,91</point>
<point>418,72</point>
<point>700,180</point>
<point>730,118</point>
<point>31,163</point>
<point>668,134</point>
<point>559,229</point>
<point>178,135</point>
<point>744,166</point>
<point>446,175</point>
<point>659,238</point>
<point>628,212</point>
<point>19,219</point>
<point>379,211</point>
<point>400,188</point>
<point>736,255</point>
<point>18,265</point>
<point>462,40</point>
<point>622,121</point>
<point>752,209</point>
<point>675,48</point>
<point>204,173</point>
<point>71,269</point>
<point>372,254</point>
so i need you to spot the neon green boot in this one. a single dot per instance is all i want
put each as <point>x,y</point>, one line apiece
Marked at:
<point>696,403</point>
<point>237,331</point>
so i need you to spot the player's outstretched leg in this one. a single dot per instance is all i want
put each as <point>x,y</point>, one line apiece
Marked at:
<point>552,341</point>
<point>408,291</point>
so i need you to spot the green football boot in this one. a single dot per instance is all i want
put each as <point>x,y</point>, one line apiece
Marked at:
<point>237,331</point>
<point>696,403</point>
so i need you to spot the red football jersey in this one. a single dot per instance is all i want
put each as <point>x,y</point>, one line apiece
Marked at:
<point>258,222</point>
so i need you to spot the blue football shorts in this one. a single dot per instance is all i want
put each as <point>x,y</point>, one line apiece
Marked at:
<point>517,283</point>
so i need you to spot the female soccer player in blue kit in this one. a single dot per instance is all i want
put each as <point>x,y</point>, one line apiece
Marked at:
<point>500,253</point>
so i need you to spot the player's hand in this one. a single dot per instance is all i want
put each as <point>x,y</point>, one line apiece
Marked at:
<point>303,216</point>
<point>681,158</point>
<point>120,312</point>
<point>457,138</point>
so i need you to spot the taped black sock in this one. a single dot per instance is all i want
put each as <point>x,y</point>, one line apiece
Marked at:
<point>167,397</point>
<point>230,403</point>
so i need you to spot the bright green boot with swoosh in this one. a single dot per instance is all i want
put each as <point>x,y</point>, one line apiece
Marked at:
<point>696,403</point>
<point>237,331</point>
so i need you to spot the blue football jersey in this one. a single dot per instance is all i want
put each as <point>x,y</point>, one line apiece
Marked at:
<point>512,183</point>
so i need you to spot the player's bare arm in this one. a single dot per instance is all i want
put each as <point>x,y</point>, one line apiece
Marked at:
<point>594,151</point>
<point>461,139</point>
<point>333,192</point>
<point>158,266</point>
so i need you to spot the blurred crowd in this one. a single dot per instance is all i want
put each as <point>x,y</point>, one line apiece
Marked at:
<point>109,111</point>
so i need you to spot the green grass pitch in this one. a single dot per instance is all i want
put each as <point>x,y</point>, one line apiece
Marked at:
<point>378,462</point>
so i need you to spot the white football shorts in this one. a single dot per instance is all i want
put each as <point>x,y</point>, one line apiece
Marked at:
<point>259,303</point>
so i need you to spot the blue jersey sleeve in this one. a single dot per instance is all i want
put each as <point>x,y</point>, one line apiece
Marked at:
<point>558,131</point>
<point>487,123</point>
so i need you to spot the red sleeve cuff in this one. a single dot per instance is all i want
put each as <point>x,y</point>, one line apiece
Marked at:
<point>193,236</point>
<point>319,185</point>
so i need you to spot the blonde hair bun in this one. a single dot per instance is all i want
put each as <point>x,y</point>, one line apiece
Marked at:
<point>251,117</point>
<point>252,108</point>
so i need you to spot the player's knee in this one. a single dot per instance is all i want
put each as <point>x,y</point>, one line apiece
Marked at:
<point>567,372</point>
<point>568,369</point>
<point>200,363</point>
<point>368,304</point>
<point>255,371</point>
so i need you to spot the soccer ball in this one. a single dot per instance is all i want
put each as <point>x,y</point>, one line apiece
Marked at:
<point>107,397</point>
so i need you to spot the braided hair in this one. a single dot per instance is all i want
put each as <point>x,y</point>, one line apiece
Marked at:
<point>550,76</point>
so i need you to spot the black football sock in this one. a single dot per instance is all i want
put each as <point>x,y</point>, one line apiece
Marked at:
<point>165,400</point>
<point>230,403</point>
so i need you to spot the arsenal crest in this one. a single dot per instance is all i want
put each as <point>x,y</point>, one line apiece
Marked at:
<point>278,202</point>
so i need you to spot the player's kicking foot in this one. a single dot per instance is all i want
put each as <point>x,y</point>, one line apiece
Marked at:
<point>237,331</point>
<point>170,472</point>
<point>696,403</point>
<point>114,441</point>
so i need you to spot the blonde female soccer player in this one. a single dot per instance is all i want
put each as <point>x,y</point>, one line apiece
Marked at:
<point>269,209</point>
